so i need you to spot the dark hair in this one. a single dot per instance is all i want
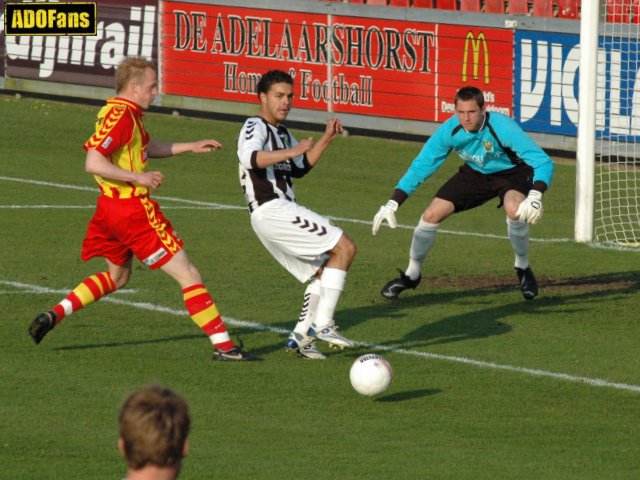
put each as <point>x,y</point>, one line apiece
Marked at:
<point>271,77</point>
<point>470,93</point>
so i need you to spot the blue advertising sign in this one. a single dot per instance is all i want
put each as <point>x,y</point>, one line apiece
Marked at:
<point>547,69</point>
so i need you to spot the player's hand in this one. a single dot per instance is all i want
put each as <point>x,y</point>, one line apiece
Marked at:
<point>334,127</point>
<point>151,179</point>
<point>530,210</point>
<point>387,212</point>
<point>204,146</point>
<point>303,146</point>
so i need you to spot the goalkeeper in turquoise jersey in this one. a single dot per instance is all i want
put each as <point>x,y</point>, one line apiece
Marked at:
<point>500,160</point>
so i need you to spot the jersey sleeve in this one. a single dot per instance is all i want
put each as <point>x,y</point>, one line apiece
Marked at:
<point>251,140</point>
<point>527,150</point>
<point>114,129</point>
<point>433,154</point>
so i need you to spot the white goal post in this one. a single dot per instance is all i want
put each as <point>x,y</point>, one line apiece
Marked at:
<point>607,209</point>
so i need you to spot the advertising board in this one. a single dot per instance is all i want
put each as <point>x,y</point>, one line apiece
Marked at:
<point>547,70</point>
<point>124,28</point>
<point>367,66</point>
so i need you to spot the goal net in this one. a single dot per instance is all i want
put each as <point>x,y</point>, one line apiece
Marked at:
<point>616,169</point>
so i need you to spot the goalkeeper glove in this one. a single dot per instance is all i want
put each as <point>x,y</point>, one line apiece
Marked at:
<point>530,210</point>
<point>387,212</point>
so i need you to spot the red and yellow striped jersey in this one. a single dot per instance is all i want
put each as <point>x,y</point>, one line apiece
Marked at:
<point>120,136</point>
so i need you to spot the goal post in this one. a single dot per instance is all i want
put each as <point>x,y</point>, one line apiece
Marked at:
<point>585,154</point>
<point>607,211</point>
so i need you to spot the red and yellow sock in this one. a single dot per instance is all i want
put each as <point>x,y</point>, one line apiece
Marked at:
<point>204,312</point>
<point>91,289</point>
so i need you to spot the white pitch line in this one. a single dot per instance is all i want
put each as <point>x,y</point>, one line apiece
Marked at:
<point>34,289</point>
<point>593,382</point>
<point>222,206</point>
<point>83,188</point>
<point>37,289</point>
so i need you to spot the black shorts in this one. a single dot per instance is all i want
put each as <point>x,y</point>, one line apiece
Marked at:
<point>469,188</point>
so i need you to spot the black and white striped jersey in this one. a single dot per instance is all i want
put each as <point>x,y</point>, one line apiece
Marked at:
<point>263,184</point>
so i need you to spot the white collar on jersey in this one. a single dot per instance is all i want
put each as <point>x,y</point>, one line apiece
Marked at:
<point>484,122</point>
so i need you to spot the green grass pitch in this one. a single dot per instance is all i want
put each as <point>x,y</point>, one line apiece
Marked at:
<point>487,385</point>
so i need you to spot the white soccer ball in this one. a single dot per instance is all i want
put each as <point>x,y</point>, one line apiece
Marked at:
<point>370,374</point>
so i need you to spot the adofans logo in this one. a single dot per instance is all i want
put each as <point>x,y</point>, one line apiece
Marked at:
<point>50,18</point>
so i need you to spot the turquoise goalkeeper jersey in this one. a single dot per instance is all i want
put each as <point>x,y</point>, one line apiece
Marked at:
<point>499,145</point>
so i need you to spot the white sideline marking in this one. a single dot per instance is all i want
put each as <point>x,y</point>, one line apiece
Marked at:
<point>222,206</point>
<point>95,190</point>
<point>34,289</point>
<point>594,382</point>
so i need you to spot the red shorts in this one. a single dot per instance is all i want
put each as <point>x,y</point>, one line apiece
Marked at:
<point>121,228</point>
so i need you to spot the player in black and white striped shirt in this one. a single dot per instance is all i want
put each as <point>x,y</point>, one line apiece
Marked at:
<point>302,241</point>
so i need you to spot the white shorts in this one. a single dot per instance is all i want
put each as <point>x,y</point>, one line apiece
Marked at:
<point>297,237</point>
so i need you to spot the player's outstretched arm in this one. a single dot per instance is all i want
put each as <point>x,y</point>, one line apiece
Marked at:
<point>266,158</point>
<point>157,149</point>
<point>331,131</point>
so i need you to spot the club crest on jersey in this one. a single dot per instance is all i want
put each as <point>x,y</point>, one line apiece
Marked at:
<point>488,146</point>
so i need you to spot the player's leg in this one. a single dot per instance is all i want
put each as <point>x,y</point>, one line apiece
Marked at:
<point>88,291</point>
<point>424,237</point>
<point>153,240</point>
<point>303,242</point>
<point>465,190</point>
<point>99,241</point>
<point>278,226</point>
<point>299,340</point>
<point>202,308</point>
<point>332,282</point>
<point>518,233</point>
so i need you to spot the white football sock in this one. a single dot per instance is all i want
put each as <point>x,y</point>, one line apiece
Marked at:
<point>331,286</point>
<point>309,306</point>
<point>518,233</point>
<point>424,236</point>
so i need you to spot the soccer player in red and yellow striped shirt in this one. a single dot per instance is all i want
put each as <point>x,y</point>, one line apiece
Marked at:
<point>127,221</point>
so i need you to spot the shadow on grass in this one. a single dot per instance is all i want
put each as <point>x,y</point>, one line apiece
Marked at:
<point>127,343</point>
<point>558,296</point>
<point>408,395</point>
<point>236,336</point>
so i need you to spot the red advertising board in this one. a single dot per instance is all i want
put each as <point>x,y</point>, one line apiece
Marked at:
<point>219,52</point>
<point>124,28</point>
<point>376,67</point>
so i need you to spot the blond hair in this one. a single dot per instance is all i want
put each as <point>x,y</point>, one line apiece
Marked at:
<point>131,68</point>
<point>154,423</point>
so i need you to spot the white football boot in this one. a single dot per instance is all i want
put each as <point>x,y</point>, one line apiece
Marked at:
<point>332,337</point>
<point>303,345</point>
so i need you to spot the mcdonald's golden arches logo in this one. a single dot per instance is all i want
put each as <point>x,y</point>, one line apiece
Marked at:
<point>475,43</point>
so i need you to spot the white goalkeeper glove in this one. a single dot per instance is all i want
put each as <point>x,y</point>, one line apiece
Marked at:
<point>387,212</point>
<point>530,210</point>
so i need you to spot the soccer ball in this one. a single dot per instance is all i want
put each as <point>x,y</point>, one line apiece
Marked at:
<point>370,374</point>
